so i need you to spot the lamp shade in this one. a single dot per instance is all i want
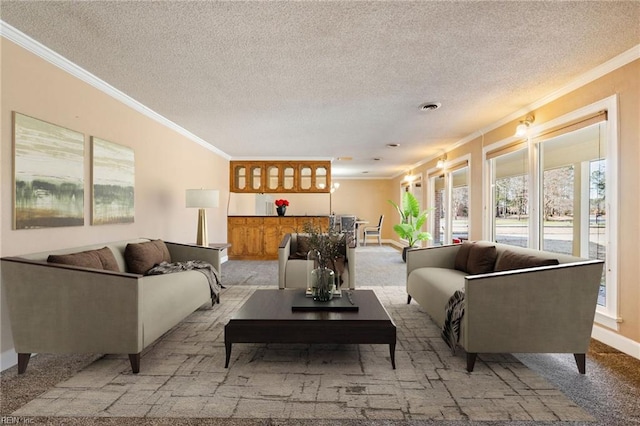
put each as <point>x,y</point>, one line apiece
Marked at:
<point>521,129</point>
<point>202,198</point>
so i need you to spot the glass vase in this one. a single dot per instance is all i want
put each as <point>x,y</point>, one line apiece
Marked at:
<point>323,282</point>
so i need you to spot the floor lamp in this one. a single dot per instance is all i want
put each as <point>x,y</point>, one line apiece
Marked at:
<point>202,199</point>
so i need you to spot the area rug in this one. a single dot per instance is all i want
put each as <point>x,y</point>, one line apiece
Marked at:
<point>183,376</point>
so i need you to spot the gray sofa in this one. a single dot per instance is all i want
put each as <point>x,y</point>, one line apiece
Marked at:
<point>544,309</point>
<point>292,272</point>
<point>56,308</point>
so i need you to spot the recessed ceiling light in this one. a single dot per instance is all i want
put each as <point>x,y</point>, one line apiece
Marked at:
<point>393,145</point>
<point>366,171</point>
<point>430,106</point>
<point>377,159</point>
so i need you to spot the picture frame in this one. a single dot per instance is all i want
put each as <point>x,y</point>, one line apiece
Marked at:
<point>48,163</point>
<point>113,182</point>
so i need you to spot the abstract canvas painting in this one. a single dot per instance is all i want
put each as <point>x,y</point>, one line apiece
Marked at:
<point>49,174</point>
<point>113,182</point>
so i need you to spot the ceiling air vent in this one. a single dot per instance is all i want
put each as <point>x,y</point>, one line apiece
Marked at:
<point>430,106</point>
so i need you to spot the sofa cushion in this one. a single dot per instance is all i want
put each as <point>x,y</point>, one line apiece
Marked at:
<point>510,260</point>
<point>463,256</point>
<point>482,259</point>
<point>141,257</point>
<point>98,259</point>
<point>302,246</point>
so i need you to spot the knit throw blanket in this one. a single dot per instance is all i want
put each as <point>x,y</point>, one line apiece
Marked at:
<point>453,315</point>
<point>191,265</point>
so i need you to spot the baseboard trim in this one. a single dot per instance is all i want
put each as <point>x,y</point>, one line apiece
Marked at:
<point>616,341</point>
<point>8,359</point>
<point>394,243</point>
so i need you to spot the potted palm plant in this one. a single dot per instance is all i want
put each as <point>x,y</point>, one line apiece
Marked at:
<point>412,220</point>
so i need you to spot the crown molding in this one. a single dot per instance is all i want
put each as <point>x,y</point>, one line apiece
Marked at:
<point>601,70</point>
<point>12,34</point>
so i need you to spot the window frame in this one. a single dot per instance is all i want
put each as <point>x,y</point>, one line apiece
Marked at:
<point>449,168</point>
<point>607,315</point>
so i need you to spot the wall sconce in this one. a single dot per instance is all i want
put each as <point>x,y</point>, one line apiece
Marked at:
<point>441,162</point>
<point>410,177</point>
<point>202,199</point>
<point>521,129</point>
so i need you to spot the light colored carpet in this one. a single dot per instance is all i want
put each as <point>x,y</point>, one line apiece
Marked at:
<point>183,376</point>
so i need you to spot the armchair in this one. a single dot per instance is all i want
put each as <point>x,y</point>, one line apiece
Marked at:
<point>292,269</point>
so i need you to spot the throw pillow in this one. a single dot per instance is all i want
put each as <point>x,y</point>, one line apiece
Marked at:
<point>97,259</point>
<point>141,257</point>
<point>302,247</point>
<point>108,260</point>
<point>463,256</point>
<point>510,260</point>
<point>482,258</point>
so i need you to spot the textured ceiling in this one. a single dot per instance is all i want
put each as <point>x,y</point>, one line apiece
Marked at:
<point>333,79</point>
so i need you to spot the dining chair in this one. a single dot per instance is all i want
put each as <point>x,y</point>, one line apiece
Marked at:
<point>348,226</point>
<point>372,231</point>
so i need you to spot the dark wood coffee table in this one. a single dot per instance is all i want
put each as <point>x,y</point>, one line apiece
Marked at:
<point>267,317</point>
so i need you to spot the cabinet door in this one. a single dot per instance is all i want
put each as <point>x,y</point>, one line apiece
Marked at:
<point>305,178</point>
<point>236,235</point>
<point>245,235</point>
<point>239,177</point>
<point>271,236</point>
<point>254,237</point>
<point>273,178</point>
<point>289,177</point>
<point>321,180</point>
<point>257,178</point>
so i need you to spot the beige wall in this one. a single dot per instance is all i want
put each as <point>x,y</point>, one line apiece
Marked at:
<point>625,82</point>
<point>166,163</point>
<point>367,199</point>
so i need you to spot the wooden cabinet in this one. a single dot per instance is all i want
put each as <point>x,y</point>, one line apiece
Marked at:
<point>258,237</point>
<point>246,236</point>
<point>280,176</point>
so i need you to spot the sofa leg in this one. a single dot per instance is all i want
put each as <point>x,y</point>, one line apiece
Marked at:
<point>471,361</point>
<point>581,361</point>
<point>23,361</point>
<point>408,299</point>
<point>134,359</point>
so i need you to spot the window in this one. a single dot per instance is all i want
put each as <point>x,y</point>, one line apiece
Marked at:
<point>414,185</point>
<point>510,197</point>
<point>449,201</point>
<point>558,191</point>
<point>437,221</point>
<point>460,205</point>
<point>574,213</point>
